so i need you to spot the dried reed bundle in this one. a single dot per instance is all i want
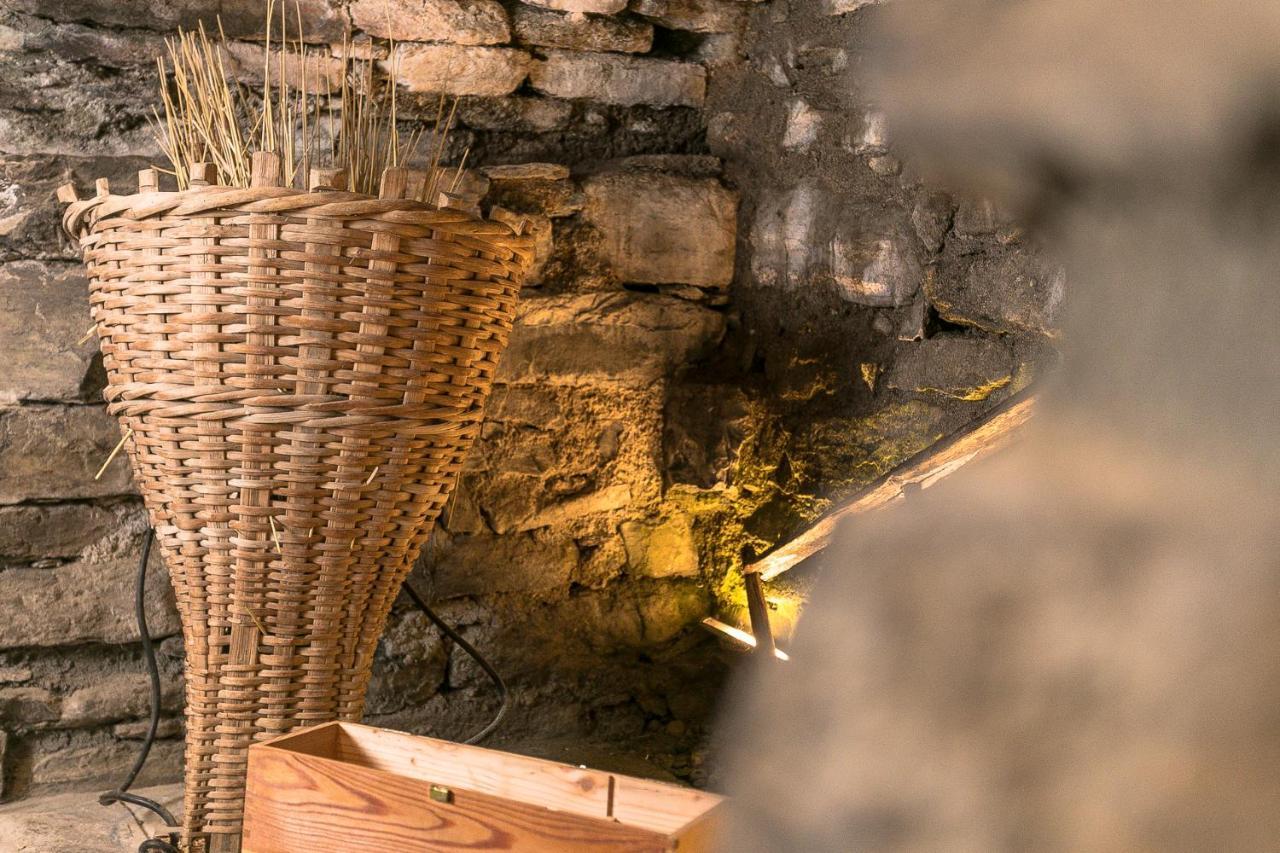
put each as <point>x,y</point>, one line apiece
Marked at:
<point>204,116</point>
<point>210,119</point>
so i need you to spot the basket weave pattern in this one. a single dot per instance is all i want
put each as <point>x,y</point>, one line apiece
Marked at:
<point>299,376</point>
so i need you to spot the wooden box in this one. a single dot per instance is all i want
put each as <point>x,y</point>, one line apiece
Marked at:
<point>343,786</point>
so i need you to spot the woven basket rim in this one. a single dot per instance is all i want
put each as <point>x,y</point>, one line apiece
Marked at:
<point>81,216</point>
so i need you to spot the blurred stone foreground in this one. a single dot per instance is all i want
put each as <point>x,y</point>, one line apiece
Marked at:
<point>1077,646</point>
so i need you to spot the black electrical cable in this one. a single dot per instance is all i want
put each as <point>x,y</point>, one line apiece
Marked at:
<point>503,694</point>
<point>122,795</point>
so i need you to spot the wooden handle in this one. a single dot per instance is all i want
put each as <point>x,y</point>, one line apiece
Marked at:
<point>264,169</point>
<point>327,179</point>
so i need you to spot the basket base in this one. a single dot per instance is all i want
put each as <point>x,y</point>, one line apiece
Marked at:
<point>213,842</point>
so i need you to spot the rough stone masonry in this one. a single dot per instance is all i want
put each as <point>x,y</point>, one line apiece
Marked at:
<point>745,307</point>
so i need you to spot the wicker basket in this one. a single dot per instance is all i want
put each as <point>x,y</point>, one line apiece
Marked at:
<point>298,376</point>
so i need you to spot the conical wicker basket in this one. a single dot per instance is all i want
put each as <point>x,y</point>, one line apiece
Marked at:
<point>298,376</point>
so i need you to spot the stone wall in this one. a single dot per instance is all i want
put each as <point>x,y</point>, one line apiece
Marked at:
<point>744,308</point>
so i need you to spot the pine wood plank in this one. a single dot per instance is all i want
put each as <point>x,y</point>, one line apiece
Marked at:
<point>370,789</point>
<point>303,802</point>
<point>663,808</point>
<point>486,771</point>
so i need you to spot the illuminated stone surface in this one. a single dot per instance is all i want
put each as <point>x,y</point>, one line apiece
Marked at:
<point>682,391</point>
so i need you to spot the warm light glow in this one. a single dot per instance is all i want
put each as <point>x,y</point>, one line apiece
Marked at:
<point>738,636</point>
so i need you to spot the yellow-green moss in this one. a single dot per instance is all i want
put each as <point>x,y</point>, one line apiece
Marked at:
<point>765,500</point>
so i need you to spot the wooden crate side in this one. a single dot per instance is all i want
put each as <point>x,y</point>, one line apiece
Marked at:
<point>658,806</point>
<point>301,802</point>
<point>319,740</point>
<point>704,834</point>
<point>485,771</point>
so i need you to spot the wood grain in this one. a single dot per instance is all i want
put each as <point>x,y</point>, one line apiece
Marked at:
<point>303,802</point>
<point>368,789</point>
<point>660,807</point>
<point>985,436</point>
<point>499,774</point>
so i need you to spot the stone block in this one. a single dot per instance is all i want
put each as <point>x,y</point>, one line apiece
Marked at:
<point>360,46</point>
<point>932,217</point>
<point>703,426</point>
<point>15,674</point>
<point>51,451</point>
<point>699,16</point>
<point>44,315</point>
<point>411,639</point>
<point>807,236</point>
<point>526,172</point>
<point>323,20</point>
<point>844,7</point>
<point>602,562</point>
<point>582,7</point>
<point>568,457</point>
<point>508,499</point>
<point>483,565</point>
<point>661,550</point>
<point>24,707</point>
<point>30,214</point>
<point>682,165</point>
<point>170,727</point>
<point>526,405</point>
<point>871,135</point>
<point>92,760</point>
<point>962,367</point>
<point>885,165</point>
<point>550,197</point>
<point>115,697</point>
<point>320,70</point>
<point>81,602</point>
<point>458,69</point>
<point>31,532</point>
<point>466,22</point>
<point>607,338</point>
<point>717,50</point>
<point>982,219</point>
<point>803,124</point>
<point>76,107</point>
<point>664,229</point>
<point>78,43</point>
<point>617,79</point>
<point>1007,291</point>
<point>411,665</point>
<point>884,271</point>
<point>672,608</point>
<point>602,501</point>
<point>546,28</point>
<point>514,113</point>
<point>820,59</point>
<point>121,696</point>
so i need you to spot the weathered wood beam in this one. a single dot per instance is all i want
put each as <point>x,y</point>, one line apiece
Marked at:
<point>992,432</point>
<point>758,611</point>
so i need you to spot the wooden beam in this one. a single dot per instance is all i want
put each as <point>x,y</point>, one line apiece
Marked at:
<point>737,637</point>
<point>758,610</point>
<point>990,433</point>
